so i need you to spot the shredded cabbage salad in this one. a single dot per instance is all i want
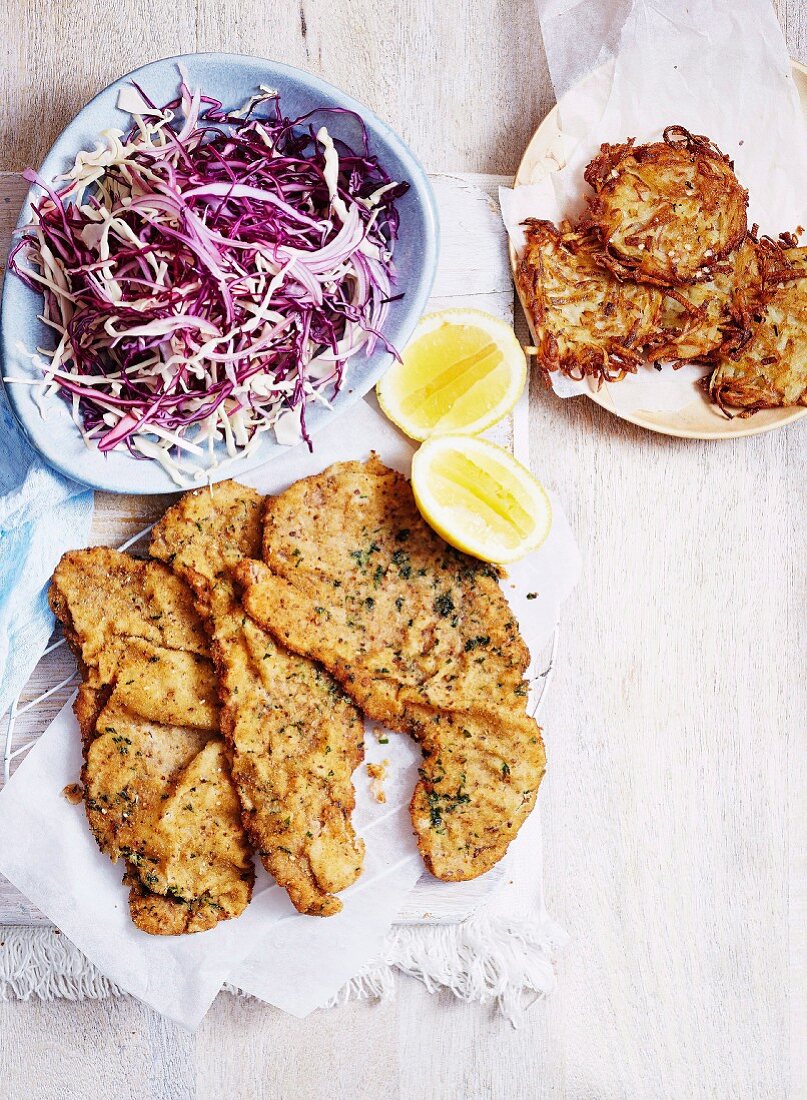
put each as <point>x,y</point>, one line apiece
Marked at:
<point>209,275</point>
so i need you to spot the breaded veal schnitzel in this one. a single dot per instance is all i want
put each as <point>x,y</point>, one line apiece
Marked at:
<point>157,786</point>
<point>420,636</point>
<point>295,738</point>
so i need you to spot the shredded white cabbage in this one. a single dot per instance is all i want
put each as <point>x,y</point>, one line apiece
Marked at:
<point>119,186</point>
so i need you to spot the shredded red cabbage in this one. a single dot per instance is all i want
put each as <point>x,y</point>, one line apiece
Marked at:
<point>209,274</point>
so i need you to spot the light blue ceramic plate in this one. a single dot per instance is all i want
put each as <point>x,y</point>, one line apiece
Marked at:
<point>232,79</point>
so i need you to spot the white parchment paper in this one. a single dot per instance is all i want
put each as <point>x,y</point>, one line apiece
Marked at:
<point>293,961</point>
<point>628,68</point>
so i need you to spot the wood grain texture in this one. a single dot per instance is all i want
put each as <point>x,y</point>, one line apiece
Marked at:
<point>674,807</point>
<point>390,55</point>
<point>669,781</point>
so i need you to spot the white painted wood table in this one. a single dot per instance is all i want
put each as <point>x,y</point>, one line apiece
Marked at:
<point>674,808</point>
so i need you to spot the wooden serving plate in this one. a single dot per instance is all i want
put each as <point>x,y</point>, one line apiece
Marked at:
<point>700,419</point>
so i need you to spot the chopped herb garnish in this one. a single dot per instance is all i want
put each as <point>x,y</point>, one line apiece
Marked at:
<point>444,605</point>
<point>440,804</point>
<point>400,559</point>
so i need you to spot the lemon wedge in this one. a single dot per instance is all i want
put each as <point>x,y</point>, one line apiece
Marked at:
<point>479,498</point>
<point>462,371</point>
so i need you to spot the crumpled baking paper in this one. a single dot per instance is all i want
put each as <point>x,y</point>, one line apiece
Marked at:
<point>629,68</point>
<point>295,962</point>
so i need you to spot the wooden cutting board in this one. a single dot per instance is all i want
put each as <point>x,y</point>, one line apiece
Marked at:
<point>473,270</point>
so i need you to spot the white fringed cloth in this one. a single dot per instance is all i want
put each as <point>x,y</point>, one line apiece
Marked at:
<point>486,959</point>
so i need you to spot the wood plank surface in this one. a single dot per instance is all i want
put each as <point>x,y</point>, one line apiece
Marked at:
<point>674,807</point>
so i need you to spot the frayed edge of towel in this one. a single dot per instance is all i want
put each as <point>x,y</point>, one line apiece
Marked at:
<point>40,962</point>
<point>486,959</point>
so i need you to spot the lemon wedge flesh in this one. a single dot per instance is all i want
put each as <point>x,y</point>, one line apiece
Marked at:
<point>479,498</point>
<point>462,371</point>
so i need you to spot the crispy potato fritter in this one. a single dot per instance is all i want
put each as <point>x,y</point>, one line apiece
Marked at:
<point>666,212</point>
<point>698,320</point>
<point>770,370</point>
<point>586,323</point>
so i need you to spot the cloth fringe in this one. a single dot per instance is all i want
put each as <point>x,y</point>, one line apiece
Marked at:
<point>506,960</point>
<point>40,962</point>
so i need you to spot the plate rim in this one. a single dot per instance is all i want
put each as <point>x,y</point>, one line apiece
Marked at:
<point>130,482</point>
<point>601,397</point>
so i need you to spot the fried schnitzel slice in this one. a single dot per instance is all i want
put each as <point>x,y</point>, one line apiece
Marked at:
<point>180,690</point>
<point>666,212</point>
<point>105,598</point>
<point>478,784</point>
<point>294,736</point>
<point>164,916</point>
<point>161,797</point>
<point>158,791</point>
<point>423,640</point>
<point>585,322</point>
<point>130,771</point>
<point>770,370</point>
